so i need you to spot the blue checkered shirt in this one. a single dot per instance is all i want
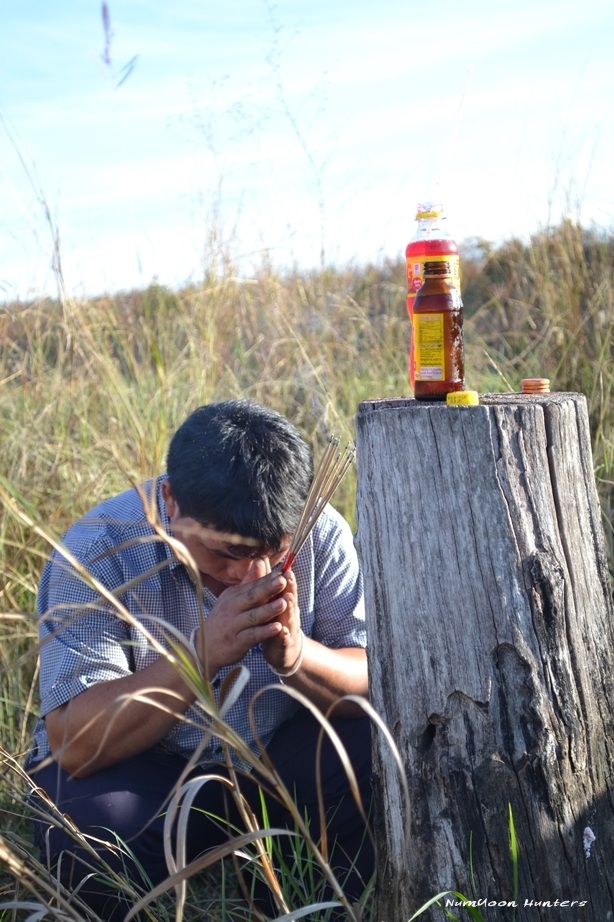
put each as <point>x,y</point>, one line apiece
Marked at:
<point>84,641</point>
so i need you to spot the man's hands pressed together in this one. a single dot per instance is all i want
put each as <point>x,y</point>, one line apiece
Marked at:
<point>261,609</point>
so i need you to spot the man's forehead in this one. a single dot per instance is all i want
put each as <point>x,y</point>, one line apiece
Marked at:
<point>237,544</point>
<point>255,549</point>
<point>207,533</point>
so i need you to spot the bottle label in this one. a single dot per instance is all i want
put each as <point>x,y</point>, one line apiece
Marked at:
<point>429,355</point>
<point>415,271</point>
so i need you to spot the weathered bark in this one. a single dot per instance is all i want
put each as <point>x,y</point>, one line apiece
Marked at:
<point>491,653</point>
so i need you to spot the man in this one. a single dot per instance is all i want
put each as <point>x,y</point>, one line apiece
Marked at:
<point>119,721</point>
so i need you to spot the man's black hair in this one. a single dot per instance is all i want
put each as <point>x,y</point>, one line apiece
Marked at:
<point>240,467</point>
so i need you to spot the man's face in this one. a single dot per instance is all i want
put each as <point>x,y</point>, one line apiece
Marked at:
<point>222,562</point>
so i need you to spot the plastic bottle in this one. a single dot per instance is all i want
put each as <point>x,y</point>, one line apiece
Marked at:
<point>433,242</point>
<point>437,334</point>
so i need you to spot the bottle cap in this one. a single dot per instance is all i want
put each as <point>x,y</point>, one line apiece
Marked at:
<point>535,385</point>
<point>439,267</point>
<point>429,210</point>
<point>463,399</point>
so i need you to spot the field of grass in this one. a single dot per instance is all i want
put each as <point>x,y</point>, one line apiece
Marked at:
<point>91,391</point>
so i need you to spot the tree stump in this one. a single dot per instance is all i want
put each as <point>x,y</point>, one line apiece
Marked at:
<point>491,655</point>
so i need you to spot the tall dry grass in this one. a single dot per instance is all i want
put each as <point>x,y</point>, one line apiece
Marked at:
<point>91,391</point>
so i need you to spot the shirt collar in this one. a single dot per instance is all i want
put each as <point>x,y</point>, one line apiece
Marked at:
<point>166,524</point>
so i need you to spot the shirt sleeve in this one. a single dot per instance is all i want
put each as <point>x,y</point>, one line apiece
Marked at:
<point>339,611</point>
<point>83,639</point>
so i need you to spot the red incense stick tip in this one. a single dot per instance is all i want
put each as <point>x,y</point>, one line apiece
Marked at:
<point>288,561</point>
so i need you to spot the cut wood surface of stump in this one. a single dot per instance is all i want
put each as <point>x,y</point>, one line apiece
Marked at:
<point>491,655</point>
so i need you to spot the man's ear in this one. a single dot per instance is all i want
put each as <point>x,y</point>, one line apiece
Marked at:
<point>170,503</point>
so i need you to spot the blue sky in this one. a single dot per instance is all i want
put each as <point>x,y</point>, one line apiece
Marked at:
<point>290,132</point>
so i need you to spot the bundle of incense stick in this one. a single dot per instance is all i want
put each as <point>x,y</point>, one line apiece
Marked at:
<point>328,475</point>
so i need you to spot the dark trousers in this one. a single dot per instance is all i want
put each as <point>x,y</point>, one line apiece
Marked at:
<point>129,800</point>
